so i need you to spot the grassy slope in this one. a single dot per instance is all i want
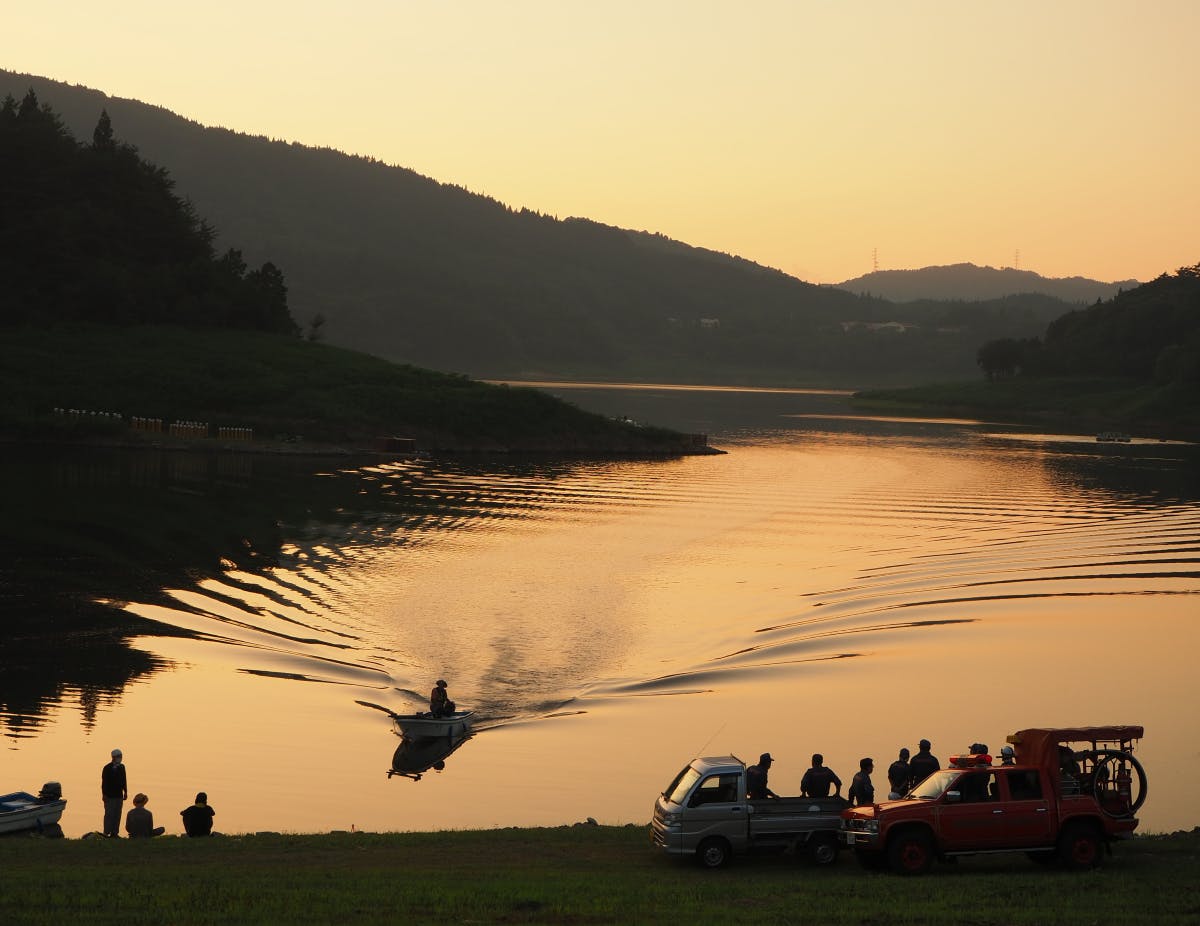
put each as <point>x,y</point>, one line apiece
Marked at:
<point>1084,404</point>
<point>283,386</point>
<point>580,874</point>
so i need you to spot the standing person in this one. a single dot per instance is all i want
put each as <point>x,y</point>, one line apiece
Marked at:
<point>113,792</point>
<point>139,822</point>
<point>1006,756</point>
<point>862,792</point>
<point>922,765</point>
<point>816,780</point>
<point>440,704</point>
<point>899,776</point>
<point>756,779</point>
<point>198,819</point>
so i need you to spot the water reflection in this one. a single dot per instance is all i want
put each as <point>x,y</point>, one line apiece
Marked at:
<point>417,755</point>
<point>824,566</point>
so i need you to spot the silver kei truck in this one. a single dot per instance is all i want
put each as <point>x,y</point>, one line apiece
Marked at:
<point>704,814</point>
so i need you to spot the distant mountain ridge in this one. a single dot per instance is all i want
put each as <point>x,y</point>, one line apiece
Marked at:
<point>972,282</point>
<point>428,273</point>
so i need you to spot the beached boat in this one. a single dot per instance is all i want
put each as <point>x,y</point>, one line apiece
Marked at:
<point>426,725</point>
<point>21,810</point>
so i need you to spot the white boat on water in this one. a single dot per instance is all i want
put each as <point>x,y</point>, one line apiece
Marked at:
<point>21,810</point>
<point>427,725</point>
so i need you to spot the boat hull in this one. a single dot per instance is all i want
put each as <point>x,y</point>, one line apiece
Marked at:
<point>426,726</point>
<point>21,811</point>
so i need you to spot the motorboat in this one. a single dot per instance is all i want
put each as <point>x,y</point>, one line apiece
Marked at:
<point>21,810</point>
<point>427,725</point>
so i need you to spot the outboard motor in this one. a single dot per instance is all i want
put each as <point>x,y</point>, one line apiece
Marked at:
<point>51,791</point>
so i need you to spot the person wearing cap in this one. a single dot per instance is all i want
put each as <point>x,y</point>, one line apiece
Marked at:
<point>862,792</point>
<point>818,779</point>
<point>1007,756</point>
<point>113,793</point>
<point>922,765</point>
<point>756,779</point>
<point>440,704</point>
<point>139,822</point>
<point>198,819</point>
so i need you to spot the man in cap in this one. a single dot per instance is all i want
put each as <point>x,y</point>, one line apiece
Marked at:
<point>1007,757</point>
<point>113,792</point>
<point>756,779</point>
<point>923,764</point>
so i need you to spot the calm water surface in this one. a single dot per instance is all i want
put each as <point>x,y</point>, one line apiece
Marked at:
<point>832,583</point>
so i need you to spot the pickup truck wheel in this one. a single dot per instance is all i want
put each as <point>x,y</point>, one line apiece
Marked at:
<point>1079,846</point>
<point>713,852</point>
<point>910,853</point>
<point>822,849</point>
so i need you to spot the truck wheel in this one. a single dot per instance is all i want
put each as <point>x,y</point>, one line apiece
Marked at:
<point>910,853</point>
<point>822,849</point>
<point>713,852</point>
<point>1079,846</point>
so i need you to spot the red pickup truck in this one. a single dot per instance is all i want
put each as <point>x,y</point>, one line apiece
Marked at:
<point>1068,794</point>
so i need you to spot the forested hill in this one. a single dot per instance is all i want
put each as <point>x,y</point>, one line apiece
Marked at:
<point>968,281</point>
<point>91,232</point>
<point>426,273</point>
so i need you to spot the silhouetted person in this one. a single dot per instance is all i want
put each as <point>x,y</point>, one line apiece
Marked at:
<point>440,704</point>
<point>818,779</point>
<point>1007,756</point>
<point>922,765</point>
<point>198,819</point>
<point>756,779</point>
<point>898,776</point>
<point>139,822</point>
<point>862,792</point>
<point>113,792</point>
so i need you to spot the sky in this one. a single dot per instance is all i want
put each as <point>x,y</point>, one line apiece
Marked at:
<point>822,138</point>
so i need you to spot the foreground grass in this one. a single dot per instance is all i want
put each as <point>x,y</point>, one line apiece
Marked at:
<point>579,874</point>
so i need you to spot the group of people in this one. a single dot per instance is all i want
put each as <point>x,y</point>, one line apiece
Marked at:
<point>139,822</point>
<point>903,775</point>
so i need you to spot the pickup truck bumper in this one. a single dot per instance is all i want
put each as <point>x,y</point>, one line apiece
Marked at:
<point>859,839</point>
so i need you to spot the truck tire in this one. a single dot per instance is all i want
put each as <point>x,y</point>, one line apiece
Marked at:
<point>910,853</point>
<point>713,852</point>
<point>1080,846</point>
<point>822,849</point>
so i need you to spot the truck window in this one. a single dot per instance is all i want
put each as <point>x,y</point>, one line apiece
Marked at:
<point>716,789</point>
<point>678,789</point>
<point>977,787</point>
<point>1025,785</point>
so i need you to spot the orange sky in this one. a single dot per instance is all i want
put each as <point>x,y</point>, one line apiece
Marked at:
<point>804,135</point>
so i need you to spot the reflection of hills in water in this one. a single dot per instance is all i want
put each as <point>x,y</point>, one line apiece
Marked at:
<point>287,563</point>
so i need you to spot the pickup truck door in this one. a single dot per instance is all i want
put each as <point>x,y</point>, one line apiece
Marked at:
<point>971,815</point>
<point>1027,808</point>
<point>717,807</point>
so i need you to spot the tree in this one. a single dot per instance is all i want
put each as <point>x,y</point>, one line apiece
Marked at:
<point>102,137</point>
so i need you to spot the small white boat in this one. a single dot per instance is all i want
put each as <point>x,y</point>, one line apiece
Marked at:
<point>426,725</point>
<point>21,810</point>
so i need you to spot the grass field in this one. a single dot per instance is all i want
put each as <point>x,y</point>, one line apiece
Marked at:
<point>580,874</point>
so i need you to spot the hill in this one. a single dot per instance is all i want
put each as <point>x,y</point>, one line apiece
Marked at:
<point>380,258</point>
<point>971,282</point>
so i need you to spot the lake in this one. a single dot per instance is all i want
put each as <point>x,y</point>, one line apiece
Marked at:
<point>833,583</point>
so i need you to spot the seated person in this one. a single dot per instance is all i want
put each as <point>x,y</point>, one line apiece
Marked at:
<point>139,822</point>
<point>440,704</point>
<point>198,819</point>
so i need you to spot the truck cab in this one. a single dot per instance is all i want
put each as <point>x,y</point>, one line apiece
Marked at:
<point>704,813</point>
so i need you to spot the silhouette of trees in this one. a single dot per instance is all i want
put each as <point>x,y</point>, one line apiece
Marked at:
<point>96,233</point>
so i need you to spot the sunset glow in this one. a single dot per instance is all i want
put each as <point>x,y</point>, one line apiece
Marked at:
<point>807,136</point>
